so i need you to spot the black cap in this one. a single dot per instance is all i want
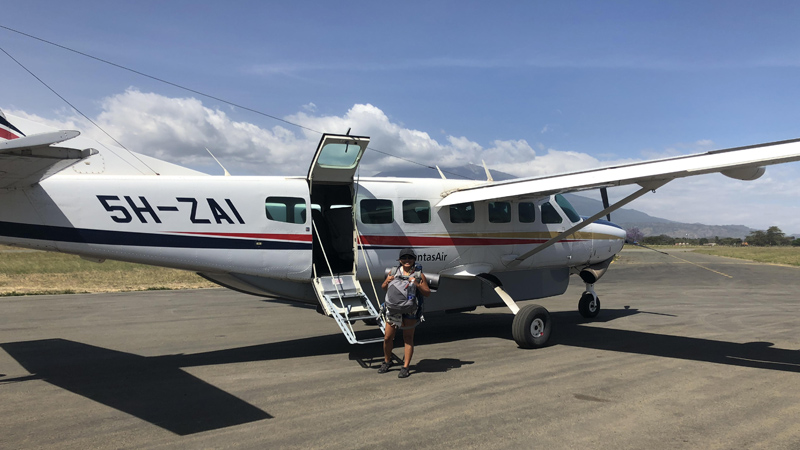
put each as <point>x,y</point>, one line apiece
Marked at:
<point>407,251</point>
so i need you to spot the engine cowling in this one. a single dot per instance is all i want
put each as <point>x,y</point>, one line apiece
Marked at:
<point>594,272</point>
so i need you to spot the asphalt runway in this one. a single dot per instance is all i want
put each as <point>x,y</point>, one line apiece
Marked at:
<point>689,351</point>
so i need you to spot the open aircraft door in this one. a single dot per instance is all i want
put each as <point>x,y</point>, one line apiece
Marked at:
<point>330,182</point>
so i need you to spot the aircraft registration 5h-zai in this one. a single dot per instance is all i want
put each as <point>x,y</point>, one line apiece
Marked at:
<point>323,237</point>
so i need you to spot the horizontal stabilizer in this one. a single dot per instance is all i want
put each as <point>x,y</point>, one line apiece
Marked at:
<point>28,160</point>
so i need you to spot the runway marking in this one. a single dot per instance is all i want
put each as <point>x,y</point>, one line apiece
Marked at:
<point>702,266</point>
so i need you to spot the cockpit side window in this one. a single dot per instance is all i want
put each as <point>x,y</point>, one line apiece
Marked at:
<point>549,214</point>
<point>565,205</point>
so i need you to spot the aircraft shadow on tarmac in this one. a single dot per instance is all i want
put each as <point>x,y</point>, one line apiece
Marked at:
<point>156,390</point>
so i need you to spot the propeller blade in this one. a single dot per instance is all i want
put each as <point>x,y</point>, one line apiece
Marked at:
<point>604,194</point>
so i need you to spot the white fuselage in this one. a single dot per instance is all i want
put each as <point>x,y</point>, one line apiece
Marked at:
<point>219,227</point>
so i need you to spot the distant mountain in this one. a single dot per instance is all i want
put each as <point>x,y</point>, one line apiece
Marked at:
<point>626,218</point>
<point>465,172</point>
<point>654,226</point>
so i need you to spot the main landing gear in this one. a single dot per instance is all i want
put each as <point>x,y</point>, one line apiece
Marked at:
<point>532,324</point>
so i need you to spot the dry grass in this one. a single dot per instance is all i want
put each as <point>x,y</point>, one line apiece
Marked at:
<point>774,255</point>
<point>29,272</point>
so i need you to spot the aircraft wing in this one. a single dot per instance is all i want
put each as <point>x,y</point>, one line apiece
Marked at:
<point>28,160</point>
<point>744,163</point>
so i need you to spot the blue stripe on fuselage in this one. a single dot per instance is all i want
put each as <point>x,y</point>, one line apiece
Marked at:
<point>134,239</point>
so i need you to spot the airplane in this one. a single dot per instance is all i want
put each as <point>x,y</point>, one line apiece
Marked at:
<point>323,238</point>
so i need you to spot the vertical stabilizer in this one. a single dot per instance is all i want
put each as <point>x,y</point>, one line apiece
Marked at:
<point>7,130</point>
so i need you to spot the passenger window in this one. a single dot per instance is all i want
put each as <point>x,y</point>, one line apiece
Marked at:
<point>549,214</point>
<point>527,212</point>
<point>462,213</point>
<point>286,209</point>
<point>416,211</point>
<point>568,209</point>
<point>375,211</point>
<point>499,212</point>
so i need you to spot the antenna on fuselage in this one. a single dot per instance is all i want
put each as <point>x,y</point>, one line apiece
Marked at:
<point>227,174</point>
<point>440,173</point>
<point>348,132</point>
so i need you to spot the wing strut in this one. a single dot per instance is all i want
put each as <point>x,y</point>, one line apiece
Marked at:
<point>648,186</point>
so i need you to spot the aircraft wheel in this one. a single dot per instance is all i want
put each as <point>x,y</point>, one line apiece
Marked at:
<point>531,327</point>
<point>589,306</point>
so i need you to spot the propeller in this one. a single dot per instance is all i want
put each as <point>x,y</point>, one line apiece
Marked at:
<point>604,194</point>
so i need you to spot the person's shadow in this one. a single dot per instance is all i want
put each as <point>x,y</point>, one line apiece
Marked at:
<point>369,358</point>
<point>439,365</point>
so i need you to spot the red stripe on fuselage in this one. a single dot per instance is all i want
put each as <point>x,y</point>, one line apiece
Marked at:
<point>273,237</point>
<point>414,241</point>
<point>425,241</point>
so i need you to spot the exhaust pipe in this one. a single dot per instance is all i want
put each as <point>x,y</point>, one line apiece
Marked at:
<point>594,272</point>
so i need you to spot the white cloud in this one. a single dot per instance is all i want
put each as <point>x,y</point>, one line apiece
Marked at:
<point>178,130</point>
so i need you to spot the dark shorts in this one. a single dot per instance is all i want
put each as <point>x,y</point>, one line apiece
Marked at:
<point>397,319</point>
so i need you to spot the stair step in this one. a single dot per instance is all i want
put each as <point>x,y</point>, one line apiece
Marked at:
<point>353,305</point>
<point>370,340</point>
<point>368,317</point>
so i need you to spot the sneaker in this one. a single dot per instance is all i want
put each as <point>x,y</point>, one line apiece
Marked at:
<point>403,373</point>
<point>384,367</point>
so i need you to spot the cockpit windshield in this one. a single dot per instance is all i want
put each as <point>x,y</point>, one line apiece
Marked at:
<point>572,215</point>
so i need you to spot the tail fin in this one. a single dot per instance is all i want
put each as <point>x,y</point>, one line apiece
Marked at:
<point>7,130</point>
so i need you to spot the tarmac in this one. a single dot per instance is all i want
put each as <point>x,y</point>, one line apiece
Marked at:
<point>689,351</point>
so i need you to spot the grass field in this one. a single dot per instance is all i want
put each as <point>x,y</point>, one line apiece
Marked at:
<point>772,255</point>
<point>30,272</point>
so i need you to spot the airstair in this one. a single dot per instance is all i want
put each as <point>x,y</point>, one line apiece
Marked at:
<point>342,298</point>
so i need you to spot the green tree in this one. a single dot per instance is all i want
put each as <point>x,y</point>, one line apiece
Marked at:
<point>757,238</point>
<point>658,240</point>
<point>730,241</point>
<point>775,236</point>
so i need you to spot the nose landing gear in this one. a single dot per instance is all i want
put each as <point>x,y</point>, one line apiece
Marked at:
<point>589,304</point>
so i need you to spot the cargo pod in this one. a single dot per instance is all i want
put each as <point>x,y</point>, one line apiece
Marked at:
<point>330,183</point>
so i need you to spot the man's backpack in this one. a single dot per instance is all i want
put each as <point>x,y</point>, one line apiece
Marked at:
<point>401,294</point>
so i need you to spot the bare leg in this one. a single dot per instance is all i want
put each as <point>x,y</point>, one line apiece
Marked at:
<point>388,342</point>
<point>408,340</point>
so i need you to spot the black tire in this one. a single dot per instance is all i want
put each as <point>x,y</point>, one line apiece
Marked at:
<point>587,308</point>
<point>531,327</point>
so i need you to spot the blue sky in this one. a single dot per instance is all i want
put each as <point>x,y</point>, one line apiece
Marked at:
<point>530,87</point>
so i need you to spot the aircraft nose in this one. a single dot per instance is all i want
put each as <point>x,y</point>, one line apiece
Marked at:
<point>614,235</point>
<point>612,228</point>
